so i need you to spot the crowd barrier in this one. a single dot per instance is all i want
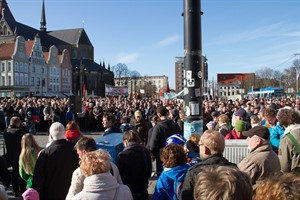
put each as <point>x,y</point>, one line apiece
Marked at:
<point>236,150</point>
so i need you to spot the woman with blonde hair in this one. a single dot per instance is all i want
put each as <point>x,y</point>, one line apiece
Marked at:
<point>29,153</point>
<point>99,182</point>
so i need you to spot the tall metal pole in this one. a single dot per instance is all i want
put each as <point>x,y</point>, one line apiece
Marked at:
<point>192,66</point>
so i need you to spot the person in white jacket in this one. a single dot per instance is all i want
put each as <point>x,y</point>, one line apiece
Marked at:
<point>84,145</point>
<point>99,182</point>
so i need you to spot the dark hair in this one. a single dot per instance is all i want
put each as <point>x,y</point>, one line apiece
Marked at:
<point>173,155</point>
<point>110,117</point>
<point>162,110</point>
<point>72,125</point>
<point>131,137</point>
<point>86,143</point>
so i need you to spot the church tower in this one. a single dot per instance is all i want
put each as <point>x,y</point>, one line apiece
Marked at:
<point>43,27</point>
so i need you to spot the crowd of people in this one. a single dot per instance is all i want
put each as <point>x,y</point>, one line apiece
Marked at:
<point>71,167</point>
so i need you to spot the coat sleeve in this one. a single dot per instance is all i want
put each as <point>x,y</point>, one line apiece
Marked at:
<point>116,173</point>
<point>249,168</point>
<point>159,192</point>
<point>154,141</point>
<point>188,186</point>
<point>38,180</point>
<point>76,184</point>
<point>285,155</point>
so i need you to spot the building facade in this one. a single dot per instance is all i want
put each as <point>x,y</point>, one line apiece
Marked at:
<point>49,62</point>
<point>148,85</point>
<point>234,85</point>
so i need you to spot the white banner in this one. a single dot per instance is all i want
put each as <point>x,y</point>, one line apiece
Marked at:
<point>115,91</point>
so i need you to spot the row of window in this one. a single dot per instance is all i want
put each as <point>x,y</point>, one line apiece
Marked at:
<point>232,87</point>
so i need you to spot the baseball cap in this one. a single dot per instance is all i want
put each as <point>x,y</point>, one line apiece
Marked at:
<point>260,131</point>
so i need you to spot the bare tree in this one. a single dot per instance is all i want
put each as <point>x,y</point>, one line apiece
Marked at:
<point>120,70</point>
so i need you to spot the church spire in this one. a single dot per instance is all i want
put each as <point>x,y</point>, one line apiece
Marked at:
<point>43,19</point>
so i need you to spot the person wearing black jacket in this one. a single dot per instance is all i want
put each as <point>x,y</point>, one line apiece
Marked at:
<point>211,146</point>
<point>164,129</point>
<point>54,167</point>
<point>12,137</point>
<point>135,165</point>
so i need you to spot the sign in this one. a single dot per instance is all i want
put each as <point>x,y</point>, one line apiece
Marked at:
<point>193,127</point>
<point>115,91</point>
<point>190,82</point>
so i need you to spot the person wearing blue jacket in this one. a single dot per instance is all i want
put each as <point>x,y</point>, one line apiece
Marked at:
<point>169,183</point>
<point>276,130</point>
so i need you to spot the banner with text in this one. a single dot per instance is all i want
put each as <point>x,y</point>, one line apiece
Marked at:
<point>115,91</point>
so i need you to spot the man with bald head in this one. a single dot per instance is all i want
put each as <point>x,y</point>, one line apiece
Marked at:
<point>55,165</point>
<point>211,146</point>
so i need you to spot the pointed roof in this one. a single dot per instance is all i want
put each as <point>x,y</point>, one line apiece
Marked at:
<point>71,36</point>
<point>28,45</point>
<point>43,18</point>
<point>6,51</point>
<point>4,10</point>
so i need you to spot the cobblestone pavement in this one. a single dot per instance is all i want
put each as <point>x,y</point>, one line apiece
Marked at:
<point>42,139</point>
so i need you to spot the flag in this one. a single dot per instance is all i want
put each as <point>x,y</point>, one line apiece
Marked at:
<point>167,88</point>
<point>84,90</point>
<point>160,92</point>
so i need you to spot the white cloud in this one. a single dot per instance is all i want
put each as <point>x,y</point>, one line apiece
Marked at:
<point>168,41</point>
<point>127,58</point>
<point>251,34</point>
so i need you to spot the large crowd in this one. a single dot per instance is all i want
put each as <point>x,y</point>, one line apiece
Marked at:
<point>71,167</point>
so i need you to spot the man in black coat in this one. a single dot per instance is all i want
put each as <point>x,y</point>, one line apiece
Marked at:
<point>135,165</point>
<point>55,165</point>
<point>164,129</point>
<point>12,137</point>
<point>211,148</point>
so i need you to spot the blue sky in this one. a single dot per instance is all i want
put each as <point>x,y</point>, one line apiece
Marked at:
<point>237,35</point>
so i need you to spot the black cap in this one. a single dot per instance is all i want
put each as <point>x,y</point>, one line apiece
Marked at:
<point>260,131</point>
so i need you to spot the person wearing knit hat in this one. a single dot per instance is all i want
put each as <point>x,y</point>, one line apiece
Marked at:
<point>236,132</point>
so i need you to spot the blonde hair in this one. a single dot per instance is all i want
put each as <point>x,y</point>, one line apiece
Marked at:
<point>195,137</point>
<point>223,118</point>
<point>95,163</point>
<point>214,141</point>
<point>29,152</point>
<point>222,182</point>
<point>279,187</point>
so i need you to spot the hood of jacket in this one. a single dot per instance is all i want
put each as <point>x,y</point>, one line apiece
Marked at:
<point>291,127</point>
<point>177,173</point>
<point>100,183</point>
<point>134,147</point>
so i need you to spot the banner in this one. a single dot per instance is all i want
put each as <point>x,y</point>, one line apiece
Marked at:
<point>115,91</point>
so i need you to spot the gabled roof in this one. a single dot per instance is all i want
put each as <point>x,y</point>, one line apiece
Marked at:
<point>71,36</point>
<point>7,15</point>
<point>28,46</point>
<point>46,56</point>
<point>6,51</point>
<point>26,31</point>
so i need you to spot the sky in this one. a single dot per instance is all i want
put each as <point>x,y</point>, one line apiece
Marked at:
<point>238,36</point>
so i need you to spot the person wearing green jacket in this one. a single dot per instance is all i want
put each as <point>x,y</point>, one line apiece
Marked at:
<point>29,153</point>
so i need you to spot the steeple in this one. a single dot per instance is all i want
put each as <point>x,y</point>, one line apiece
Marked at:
<point>43,19</point>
